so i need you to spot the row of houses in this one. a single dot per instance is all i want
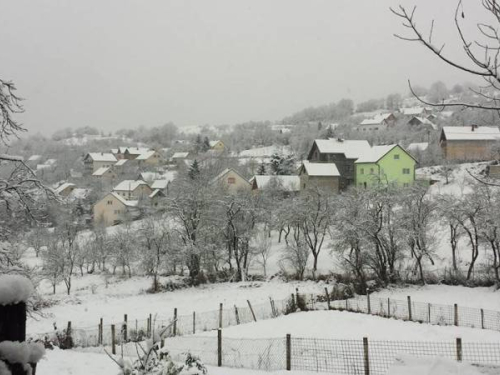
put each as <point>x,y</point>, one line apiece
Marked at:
<point>417,116</point>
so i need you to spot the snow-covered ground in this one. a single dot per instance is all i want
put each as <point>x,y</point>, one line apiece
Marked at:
<point>438,366</point>
<point>346,325</point>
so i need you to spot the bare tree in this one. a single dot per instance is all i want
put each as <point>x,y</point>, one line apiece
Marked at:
<point>262,249</point>
<point>482,53</point>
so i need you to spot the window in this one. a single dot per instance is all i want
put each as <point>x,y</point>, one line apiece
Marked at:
<point>110,202</point>
<point>361,171</point>
<point>371,171</point>
<point>231,180</point>
<point>396,156</point>
<point>406,170</point>
<point>117,212</point>
<point>406,184</point>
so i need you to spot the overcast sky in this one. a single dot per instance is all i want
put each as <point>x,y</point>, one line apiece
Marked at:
<point>124,63</point>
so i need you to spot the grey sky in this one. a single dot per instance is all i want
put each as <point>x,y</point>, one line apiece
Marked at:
<point>123,63</point>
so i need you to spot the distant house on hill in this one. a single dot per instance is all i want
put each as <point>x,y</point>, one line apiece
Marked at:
<point>151,157</point>
<point>287,184</point>
<point>65,189</point>
<point>105,174</point>
<point>230,180</point>
<point>379,122</point>
<point>422,121</point>
<point>178,158</point>
<point>95,160</point>
<point>113,209</point>
<point>416,111</point>
<point>319,175</point>
<point>389,164</point>
<point>468,143</point>
<point>217,146</point>
<point>133,189</point>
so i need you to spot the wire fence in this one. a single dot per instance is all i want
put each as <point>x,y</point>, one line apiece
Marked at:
<point>341,357</point>
<point>431,313</point>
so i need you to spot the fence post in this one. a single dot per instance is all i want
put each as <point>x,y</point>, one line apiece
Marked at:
<point>388,307</point>
<point>409,309</point>
<point>347,304</point>
<point>219,347</point>
<point>194,322</point>
<point>113,342</point>
<point>100,332</point>
<point>297,296</point>
<point>327,298</point>
<point>459,349</point>
<point>220,315</point>
<point>69,339</point>
<point>293,303</point>
<point>251,310</point>
<point>236,315</point>
<point>368,301</point>
<point>429,312</point>
<point>482,319</point>
<point>366,356</point>
<point>125,327</point>
<point>456,314</point>
<point>274,308</point>
<point>175,321</point>
<point>288,352</point>
<point>273,313</point>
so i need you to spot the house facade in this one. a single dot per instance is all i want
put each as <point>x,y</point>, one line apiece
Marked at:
<point>113,209</point>
<point>152,158</point>
<point>231,181</point>
<point>468,143</point>
<point>387,165</point>
<point>133,189</point>
<point>95,160</point>
<point>324,176</point>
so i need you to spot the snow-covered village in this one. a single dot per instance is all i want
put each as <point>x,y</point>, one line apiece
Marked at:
<point>250,187</point>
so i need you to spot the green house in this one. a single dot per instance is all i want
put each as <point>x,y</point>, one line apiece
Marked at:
<point>389,164</point>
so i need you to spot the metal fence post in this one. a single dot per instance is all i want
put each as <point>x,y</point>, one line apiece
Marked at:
<point>251,310</point>
<point>429,312</point>
<point>236,315</point>
<point>125,327</point>
<point>459,349</point>
<point>327,298</point>
<point>366,356</point>
<point>409,308</point>
<point>175,321</point>
<point>194,322</point>
<point>69,337</point>
<point>100,332</point>
<point>220,315</point>
<point>482,319</point>
<point>456,314</point>
<point>288,352</point>
<point>388,307</point>
<point>113,339</point>
<point>369,306</point>
<point>219,347</point>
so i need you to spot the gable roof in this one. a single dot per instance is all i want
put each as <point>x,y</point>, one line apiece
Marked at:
<point>180,155</point>
<point>226,171</point>
<point>414,111</point>
<point>376,153</point>
<point>129,185</point>
<point>146,155</point>
<point>136,150</point>
<point>289,183</point>
<point>320,169</point>
<point>120,162</point>
<point>213,143</point>
<point>425,121</point>
<point>100,171</point>
<point>63,187</point>
<point>155,193</point>
<point>352,149</point>
<point>101,156</point>
<point>376,120</point>
<point>34,157</point>
<point>123,200</point>
<point>471,133</point>
<point>159,184</point>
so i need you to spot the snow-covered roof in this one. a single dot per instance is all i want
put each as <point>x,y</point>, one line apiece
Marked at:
<point>351,149</point>
<point>120,162</point>
<point>42,166</point>
<point>114,151</point>
<point>321,169</point>
<point>63,187</point>
<point>224,172</point>
<point>422,146</point>
<point>34,157</point>
<point>136,150</point>
<point>154,193</point>
<point>102,156</point>
<point>124,201</point>
<point>290,183</point>
<point>266,151</point>
<point>50,161</point>
<point>471,133</point>
<point>414,111</point>
<point>146,155</point>
<point>159,184</point>
<point>425,121</point>
<point>376,120</point>
<point>213,143</point>
<point>374,154</point>
<point>180,155</point>
<point>100,171</point>
<point>129,185</point>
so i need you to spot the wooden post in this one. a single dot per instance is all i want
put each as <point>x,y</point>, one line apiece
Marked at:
<point>113,342</point>
<point>219,347</point>
<point>288,352</point>
<point>388,307</point>
<point>147,327</point>
<point>368,301</point>
<point>236,315</point>
<point>125,327</point>
<point>251,310</point>
<point>327,298</point>
<point>100,332</point>
<point>194,322</point>
<point>456,314</point>
<point>294,306</point>
<point>220,315</point>
<point>274,308</point>
<point>69,338</point>
<point>273,313</point>
<point>366,356</point>
<point>459,349</point>
<point>175,321</point>
<point>151,325</point>
<point>347,304</point>
<point>162,343</point>
<point>409,309</point>
<point>297,296</point>
<point>429,312</point>
<point>482,319</point>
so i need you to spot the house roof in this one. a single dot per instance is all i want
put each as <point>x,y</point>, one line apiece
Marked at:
<point>374,154</point>
<point>34,157</point>
<point>376,120</point>
<point>155,193</point>
<point>414,111</point>
<point>63,187</point>
<point>120,162</point>
<point>468,133</point>
<point>289,183</point>
<point>123,200</point>
<point>102,156</point>
<point>50,161</point>
<point>320,169</point>
<point>136,150</point>
<point>226,171</point>
<point>180,155</point>
<point>146,155</point>
<point>213,143</point>
<point>42,166</point>
<point>129,185</point>
<point>425,121</point>
<point>351,149</point>
<point>100,171</point>
<point>159,184</point>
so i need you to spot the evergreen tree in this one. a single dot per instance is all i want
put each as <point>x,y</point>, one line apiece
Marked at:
<point>329,133</point>
<point>198,143</point>
<point>194,170</point>
<point>262,170</point>
<point>206,144</point>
